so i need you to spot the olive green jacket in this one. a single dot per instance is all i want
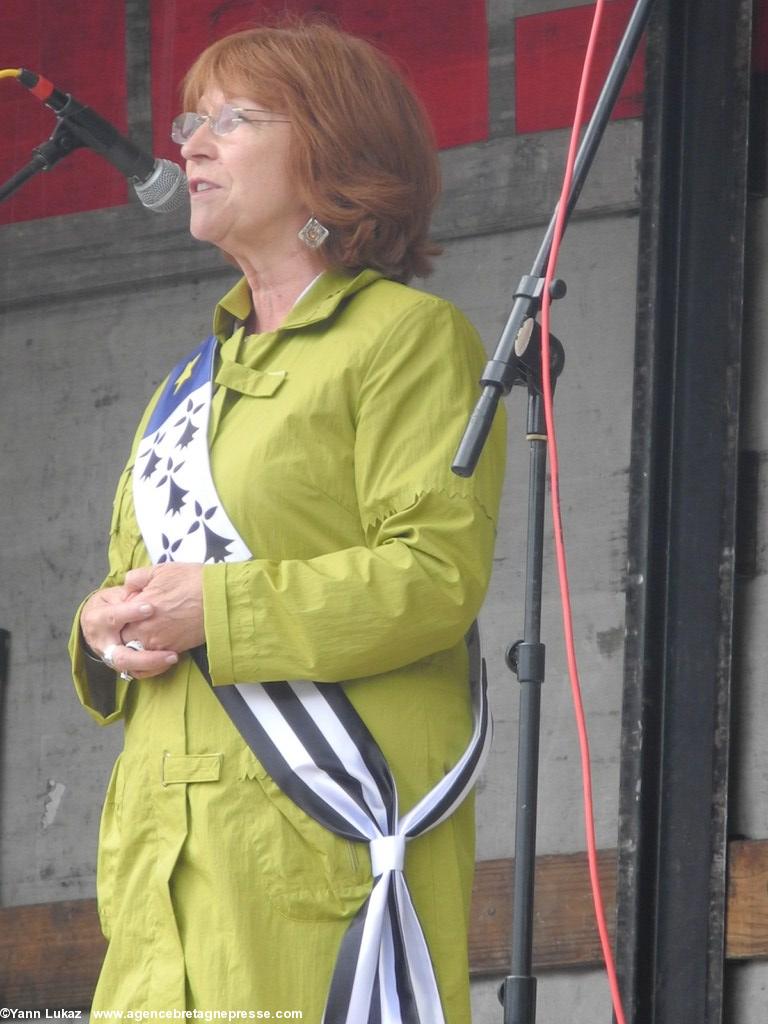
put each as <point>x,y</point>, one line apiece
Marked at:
<point>331,441</point>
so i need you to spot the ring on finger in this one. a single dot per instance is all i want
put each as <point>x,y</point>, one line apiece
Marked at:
<point>109,660</point>
<point>135,645</point>
<point>107,655</point>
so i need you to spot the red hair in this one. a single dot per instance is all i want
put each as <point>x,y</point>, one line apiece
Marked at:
<point>363,153</point>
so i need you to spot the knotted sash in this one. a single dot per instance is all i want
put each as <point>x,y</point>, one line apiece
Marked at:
<point>309,737</point>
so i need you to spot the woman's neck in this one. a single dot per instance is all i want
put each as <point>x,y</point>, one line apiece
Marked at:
<point>275,289</point>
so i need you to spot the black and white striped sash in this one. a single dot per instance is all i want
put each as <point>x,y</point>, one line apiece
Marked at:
<point>308,736</point>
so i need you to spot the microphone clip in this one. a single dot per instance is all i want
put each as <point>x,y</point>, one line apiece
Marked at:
<point>61,143</point>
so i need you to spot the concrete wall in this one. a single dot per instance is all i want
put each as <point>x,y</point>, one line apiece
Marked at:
<point>93,311</point>
<point>747,994</point>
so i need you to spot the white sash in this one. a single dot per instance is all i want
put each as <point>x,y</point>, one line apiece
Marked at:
<point>308,736</point>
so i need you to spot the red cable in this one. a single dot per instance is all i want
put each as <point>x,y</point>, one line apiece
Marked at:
<point>562,568</point>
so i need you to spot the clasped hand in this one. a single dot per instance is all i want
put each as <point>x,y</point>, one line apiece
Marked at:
<point>160,606</point>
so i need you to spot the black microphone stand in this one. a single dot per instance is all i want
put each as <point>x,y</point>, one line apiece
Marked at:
<point>61,143</point>
<point>514,363</point>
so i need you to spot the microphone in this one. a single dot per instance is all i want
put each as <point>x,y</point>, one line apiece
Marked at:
<point>161,185</point>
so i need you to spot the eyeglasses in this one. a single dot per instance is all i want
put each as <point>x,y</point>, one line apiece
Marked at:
<point>228,118</point>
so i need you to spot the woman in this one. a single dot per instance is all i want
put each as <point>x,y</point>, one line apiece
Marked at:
<point>318,534</point>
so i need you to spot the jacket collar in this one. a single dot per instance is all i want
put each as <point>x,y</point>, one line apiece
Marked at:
<point>319,303</point>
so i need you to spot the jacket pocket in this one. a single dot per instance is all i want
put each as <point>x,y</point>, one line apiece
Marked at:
<point>309,872</point>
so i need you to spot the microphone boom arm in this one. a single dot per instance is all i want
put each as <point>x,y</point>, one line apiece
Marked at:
<point>500,372</point>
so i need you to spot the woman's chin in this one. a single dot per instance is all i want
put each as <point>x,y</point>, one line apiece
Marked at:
<point>206,233</point>
<point>202,231</point>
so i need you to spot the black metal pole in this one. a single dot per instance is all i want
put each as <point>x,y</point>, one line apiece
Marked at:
<point>36,164</point>
<point>527,660</point>
<point>60,144</point>
<point>672,887</point>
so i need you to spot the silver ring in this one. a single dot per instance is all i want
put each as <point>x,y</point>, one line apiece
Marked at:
<point>135,645</point>
<point>107,654</point>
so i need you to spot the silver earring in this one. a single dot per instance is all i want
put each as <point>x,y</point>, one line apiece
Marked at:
<point>313,234</point>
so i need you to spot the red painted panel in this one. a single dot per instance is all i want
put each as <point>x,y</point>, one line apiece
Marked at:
<point>549,54</point>
<point>80,47</point>
<point>443,49</point>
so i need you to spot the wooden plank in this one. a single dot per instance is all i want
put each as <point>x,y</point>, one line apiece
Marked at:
<point>564,930</point>
<point>747,922</point>
<point>50,953</point>
<point>565,934</point>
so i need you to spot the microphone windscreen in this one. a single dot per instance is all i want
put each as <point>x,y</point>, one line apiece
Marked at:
<point>165,190</point>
